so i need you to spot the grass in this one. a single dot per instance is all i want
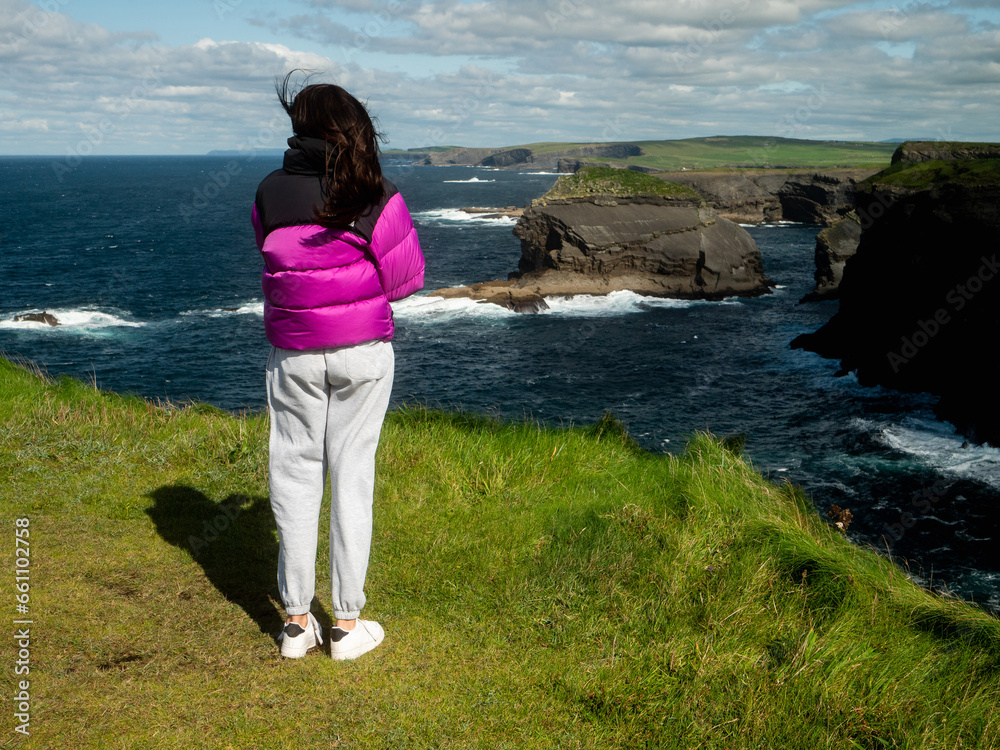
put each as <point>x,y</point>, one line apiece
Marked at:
<point>924,174</point>
<point>742,152</point>
<point>761,152</point>
<point>540,588</point>
<point>606,181</point>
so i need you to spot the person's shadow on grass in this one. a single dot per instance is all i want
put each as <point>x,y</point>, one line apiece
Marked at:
<point>235,544</point>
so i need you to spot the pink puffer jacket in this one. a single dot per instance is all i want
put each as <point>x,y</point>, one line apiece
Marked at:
<point>329,287</point>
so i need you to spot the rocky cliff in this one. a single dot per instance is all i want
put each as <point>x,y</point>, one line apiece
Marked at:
<point>835,245</point>
<point>913,151</point>
<point>920,299</point>
<point>759,196</point>
<point>664,242</point>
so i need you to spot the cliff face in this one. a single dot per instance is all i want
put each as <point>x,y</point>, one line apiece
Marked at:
<point>920,300</point>
<point>758,196</point>
<point>605,230</point>
<point>915,151</point>
<point>653,246</point>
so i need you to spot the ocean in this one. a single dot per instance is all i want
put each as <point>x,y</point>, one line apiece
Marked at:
<point>150,266</point>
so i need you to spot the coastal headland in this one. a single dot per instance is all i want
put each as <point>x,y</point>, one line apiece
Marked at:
<point>673,238</point>
<point>742,152</point>
<point>918,299</point>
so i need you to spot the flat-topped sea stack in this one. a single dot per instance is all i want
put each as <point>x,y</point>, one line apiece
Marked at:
<point>605,230</point>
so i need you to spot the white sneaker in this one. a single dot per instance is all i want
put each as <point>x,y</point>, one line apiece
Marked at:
<point>350,644</point>
<point>296,640</point>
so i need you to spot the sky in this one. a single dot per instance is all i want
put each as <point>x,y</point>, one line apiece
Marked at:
<point>109,77</point>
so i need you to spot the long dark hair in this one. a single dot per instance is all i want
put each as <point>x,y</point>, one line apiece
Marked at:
<point>353,173</point>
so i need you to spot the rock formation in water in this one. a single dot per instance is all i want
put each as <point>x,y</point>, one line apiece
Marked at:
<point>42,317</point>
<point>920,299</point>
<point>834,247</point>
<point>586,241</point>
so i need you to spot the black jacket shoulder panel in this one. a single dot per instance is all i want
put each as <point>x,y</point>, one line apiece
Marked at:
<point>287,199</point>
<point>365,224</point>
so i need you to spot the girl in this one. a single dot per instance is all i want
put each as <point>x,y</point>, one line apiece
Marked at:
<point>339,245</point>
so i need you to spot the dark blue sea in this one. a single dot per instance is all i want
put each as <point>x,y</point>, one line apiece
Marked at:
<point>150,265</point>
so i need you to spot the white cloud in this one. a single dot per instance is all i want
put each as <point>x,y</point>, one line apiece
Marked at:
<point>499,73</point>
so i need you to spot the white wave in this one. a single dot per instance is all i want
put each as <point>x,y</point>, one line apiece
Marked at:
<point>429,309</point>
<point>621,303</point>
<point>471,179</point>
<point>937,445</point>
<point>74,320</point>
<point>452,215</point>
<point>580,306</point>
<point>248,308</point>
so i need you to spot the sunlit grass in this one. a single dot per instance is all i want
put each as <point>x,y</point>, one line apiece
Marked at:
<point>539,588</point>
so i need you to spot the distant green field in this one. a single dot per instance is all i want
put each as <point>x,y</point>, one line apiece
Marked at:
<point>761,152</point>
<point>740,152</point>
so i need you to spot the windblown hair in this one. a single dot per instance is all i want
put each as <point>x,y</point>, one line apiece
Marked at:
<point>352,169</point>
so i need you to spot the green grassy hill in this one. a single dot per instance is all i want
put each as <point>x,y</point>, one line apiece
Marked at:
<point>761,152</point>
<point>539,588</point>
<point>733,152</point>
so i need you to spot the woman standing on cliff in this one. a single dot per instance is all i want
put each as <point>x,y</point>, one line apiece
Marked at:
<point>338,245</point>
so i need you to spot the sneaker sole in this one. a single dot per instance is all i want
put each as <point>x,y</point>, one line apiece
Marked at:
<point>357,651</point>
<point>296,653</point>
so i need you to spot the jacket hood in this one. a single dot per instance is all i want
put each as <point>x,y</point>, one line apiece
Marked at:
<point>306,155</point>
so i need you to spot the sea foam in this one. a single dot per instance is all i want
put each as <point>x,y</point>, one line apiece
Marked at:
<point>936,445</point>
<point>457,215</point>
<point>254,307</point>
<point>471,179</point>
<point>431,309</point>
<point>74,320</point>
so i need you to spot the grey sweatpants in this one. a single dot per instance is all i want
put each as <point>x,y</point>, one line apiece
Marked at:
<point>327,408</point>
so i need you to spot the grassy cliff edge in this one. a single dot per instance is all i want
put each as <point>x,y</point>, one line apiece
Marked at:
<point>539,587</point>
